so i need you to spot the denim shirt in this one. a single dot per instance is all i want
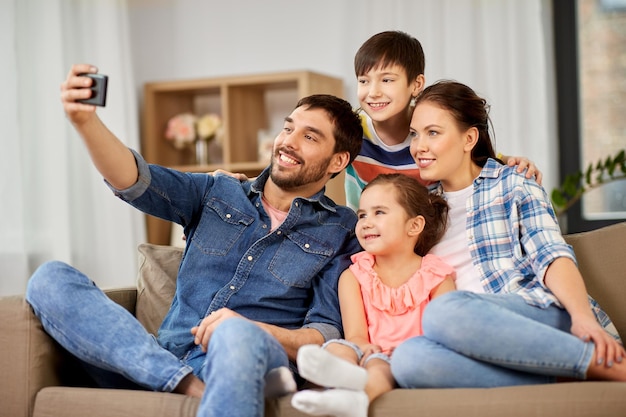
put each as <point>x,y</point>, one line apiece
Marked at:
<point>287,277</point>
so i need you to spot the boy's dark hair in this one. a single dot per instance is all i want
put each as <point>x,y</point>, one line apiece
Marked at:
<point>389,48</point>
<point>418,201</point>
<point>347,127</point>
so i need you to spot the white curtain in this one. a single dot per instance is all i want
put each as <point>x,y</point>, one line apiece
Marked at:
<point>54,203</point>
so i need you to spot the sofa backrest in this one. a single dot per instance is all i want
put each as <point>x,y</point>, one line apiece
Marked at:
<point>601,256</point>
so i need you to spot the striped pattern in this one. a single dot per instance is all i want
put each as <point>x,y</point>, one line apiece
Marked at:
<point>376,158</point>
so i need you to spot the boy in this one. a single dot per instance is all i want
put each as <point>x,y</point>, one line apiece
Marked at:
<point>389,68</point>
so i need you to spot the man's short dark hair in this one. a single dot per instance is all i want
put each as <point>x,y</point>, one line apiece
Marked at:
<point>347,127</point>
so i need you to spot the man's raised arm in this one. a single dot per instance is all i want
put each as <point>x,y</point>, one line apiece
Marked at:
<point>110,156</point>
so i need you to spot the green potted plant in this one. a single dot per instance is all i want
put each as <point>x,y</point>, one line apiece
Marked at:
<point>575,185</point>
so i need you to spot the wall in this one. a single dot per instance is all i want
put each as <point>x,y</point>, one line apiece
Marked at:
<point>502,48</point>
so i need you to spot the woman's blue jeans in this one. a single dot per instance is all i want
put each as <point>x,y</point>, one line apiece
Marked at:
<point>119,352</point>
<point>489,340</point>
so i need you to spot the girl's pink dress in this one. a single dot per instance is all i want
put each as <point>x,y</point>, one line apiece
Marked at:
<point>395,314</point>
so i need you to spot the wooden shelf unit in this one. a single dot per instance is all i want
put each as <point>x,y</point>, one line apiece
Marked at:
<point>247,105</point>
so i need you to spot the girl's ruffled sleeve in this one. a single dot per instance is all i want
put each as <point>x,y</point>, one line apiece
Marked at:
<point>434,270</point>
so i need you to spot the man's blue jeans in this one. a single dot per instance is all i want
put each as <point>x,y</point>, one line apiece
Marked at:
<point>119,352</point>
<point>490,340</point>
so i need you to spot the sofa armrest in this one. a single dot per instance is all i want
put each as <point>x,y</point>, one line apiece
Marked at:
<point>126,297</point>
<point>30,359</point>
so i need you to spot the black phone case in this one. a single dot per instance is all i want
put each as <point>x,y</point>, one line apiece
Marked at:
<point>98,90</point>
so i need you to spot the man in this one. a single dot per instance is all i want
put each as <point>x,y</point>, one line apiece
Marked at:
<point>258,278</point>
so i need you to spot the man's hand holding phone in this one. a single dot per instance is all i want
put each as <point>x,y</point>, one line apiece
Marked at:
<point>98,89</point>
<point>83,90</point>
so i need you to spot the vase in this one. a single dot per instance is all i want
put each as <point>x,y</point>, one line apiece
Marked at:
<point>202,151</point>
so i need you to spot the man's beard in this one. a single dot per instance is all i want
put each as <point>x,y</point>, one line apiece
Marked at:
<point>309,175</point>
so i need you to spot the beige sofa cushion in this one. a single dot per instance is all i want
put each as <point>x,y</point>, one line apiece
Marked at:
<point>574,399</point>
<point>156,283</point>
<point>53,402</point>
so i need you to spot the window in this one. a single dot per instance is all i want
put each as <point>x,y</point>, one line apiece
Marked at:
<point>590,48</point>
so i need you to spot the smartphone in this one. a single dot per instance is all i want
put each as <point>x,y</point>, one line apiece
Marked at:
<point>98,90</point>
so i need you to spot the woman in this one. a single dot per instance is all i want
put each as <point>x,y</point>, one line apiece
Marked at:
<point>523,315</point>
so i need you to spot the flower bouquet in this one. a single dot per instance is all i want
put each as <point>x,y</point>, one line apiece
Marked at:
<point>181,130</point>
<point>185,129</point>
<point>208,127</point>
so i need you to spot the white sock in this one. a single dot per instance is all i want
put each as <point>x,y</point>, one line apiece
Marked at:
<point>335,402</point>
<point>325,369</point>
<point>278,382</point>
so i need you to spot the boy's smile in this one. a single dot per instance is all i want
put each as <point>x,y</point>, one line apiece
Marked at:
<point>385,92</point>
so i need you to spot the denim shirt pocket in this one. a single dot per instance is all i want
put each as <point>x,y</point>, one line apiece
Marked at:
<point>299,258</point>
<point>220,226</point>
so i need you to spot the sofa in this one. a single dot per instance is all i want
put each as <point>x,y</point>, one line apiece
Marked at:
<point>42,380</point>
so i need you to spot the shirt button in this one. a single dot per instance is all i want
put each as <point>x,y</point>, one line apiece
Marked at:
<point>264,226</point>
<point>306,245</point>
<point>228,216</point>
<point>297,204</point>
<point>249,257</point>
<point>232,287</point>
<point>279,232</point>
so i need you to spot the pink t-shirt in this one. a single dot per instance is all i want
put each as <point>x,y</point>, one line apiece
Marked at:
<point>395,314</point>
<point>276,216</point>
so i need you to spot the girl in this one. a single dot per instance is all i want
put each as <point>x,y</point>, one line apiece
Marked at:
<point>524,316</point>
<point>382,296</point>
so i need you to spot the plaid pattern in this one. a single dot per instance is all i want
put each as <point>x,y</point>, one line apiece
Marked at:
<point>513,237</point>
